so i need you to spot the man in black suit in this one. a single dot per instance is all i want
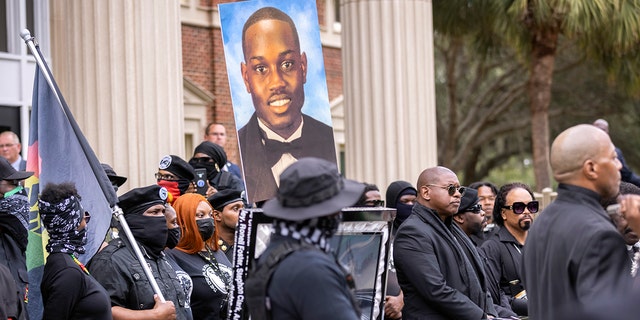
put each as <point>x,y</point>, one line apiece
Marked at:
<point>439,269</point>
<point>574,255</point>
<point>274,73</point>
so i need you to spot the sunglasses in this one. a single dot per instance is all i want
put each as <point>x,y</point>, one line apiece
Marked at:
<point>166,177</point>
<point>87,216</point>
<point>374,203</point>
<point>202,160</point>
<point>451,189</point>
<point>518,207</point>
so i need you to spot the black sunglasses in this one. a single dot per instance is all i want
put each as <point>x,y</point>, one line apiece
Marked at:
<point>87,216</point>
<point>374,203</point>
<point>202,160</point>
<point>451,189</point>
<point>518,207</point>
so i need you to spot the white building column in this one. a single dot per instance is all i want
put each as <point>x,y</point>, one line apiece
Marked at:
<point>118,64</point>
<point>389,90</point>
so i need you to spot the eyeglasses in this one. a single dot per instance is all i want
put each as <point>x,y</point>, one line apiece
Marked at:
<point>87,217</point>
<point>8,145</point>
<point>374,203</point>
<point>475,208</point>
<point>202,159</point>
<point>166,177</point>
<point>518,207</point>
<point>451,189</point>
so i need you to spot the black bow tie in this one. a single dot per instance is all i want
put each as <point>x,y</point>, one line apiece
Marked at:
<point>275,149</point>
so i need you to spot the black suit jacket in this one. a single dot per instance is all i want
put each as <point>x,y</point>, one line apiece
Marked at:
<point>260,184</point>
<point>437,278</point>
<point>573,255</point>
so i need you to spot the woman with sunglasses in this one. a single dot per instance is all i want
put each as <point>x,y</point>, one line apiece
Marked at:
<point>68,290</point>
<point>198,255</point>
<point>211,157</point>
<point>513,214</point>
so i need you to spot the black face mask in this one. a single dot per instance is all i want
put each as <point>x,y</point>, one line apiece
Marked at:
<point>206,228</point>
<point>209,166</point>
<point>173,237</point>
<point>151,232</point>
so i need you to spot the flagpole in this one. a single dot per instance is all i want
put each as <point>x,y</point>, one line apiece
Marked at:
<point>29,40</point>
<point>117,211</point>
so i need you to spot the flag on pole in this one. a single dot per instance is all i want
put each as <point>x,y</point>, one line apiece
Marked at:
<point>59,152</point>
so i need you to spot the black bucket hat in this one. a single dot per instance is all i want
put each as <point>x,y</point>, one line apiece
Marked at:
<point>311,188</point>
<point>113,177</point>
<point>7,172</point>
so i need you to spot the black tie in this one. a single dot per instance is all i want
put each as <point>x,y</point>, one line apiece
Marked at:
<point>275,149</point>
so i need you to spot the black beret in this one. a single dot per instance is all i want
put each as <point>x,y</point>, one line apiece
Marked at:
<point>177,166</point>
<point>224,197</point>
<point>469,199</point>
<point>138,200</point>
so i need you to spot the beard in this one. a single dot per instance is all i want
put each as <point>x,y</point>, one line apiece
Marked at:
<point>524,224</point>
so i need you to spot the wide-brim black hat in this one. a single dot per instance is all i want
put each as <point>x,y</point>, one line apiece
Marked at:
<point>7,172</point>
<point>311,188</point>
<point>113,177</point>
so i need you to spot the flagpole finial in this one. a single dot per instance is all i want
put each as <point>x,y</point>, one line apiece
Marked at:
<point>26,35</point>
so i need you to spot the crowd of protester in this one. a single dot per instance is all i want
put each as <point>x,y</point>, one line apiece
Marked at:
<point>476,252</point>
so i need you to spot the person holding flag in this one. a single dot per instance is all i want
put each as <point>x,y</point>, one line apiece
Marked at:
<point>68,290</point>
<point>119,272</point>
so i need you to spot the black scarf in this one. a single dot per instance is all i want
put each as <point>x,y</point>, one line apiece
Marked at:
<point>316,231</point>
<point>62,220</point>
<point>150,232</point>
<point>14,217</point>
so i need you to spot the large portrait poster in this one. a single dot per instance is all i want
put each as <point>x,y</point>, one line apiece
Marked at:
<point>278,88</point>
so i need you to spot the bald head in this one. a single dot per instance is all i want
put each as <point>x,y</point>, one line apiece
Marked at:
<point>583,155</point>
<point>602,124</point>
<point>432,176</point>
<point>433,191</point>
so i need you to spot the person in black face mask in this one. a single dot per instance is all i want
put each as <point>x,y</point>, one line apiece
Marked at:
<point>198,254</point>
<point>401,196</point>
<point>14,224</point>
<point>120,273</point>
<point>210,156</point>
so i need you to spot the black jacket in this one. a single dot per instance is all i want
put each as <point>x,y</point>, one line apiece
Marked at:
<point>504,258</point>
<point>308,284</point>
<point>436,277</point>
<point>119,272</point>
<point>317,139</point>
<point>573,255</point>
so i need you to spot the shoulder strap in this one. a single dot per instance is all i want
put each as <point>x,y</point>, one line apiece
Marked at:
<point>260,276</point>
<point>225,180</point>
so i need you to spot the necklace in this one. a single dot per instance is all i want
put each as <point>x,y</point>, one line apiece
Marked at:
<point>213,262</point>
<point>79,264</point>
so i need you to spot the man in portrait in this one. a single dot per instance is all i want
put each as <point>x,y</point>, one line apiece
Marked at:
<point>274,72</point>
